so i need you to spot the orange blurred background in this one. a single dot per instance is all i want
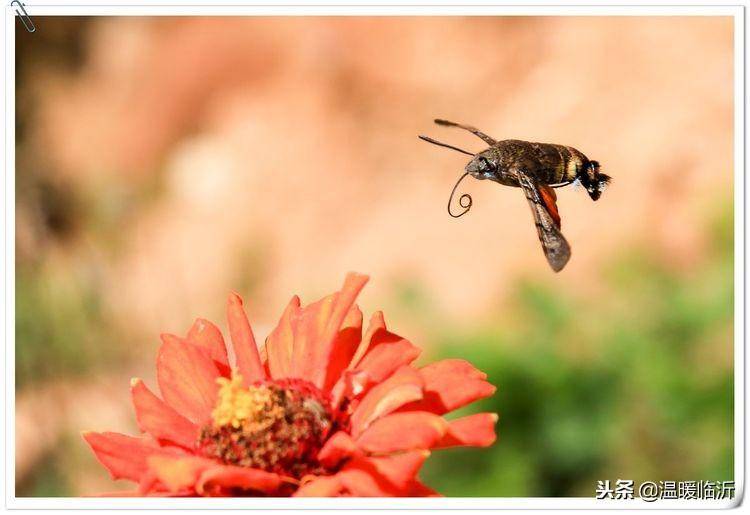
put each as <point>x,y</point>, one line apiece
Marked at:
<point>163,162</point>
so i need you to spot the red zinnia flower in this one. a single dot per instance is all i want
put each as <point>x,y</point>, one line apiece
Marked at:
<point>323,411</point>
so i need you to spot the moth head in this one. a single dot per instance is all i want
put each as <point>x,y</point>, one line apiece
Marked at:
<point>481,167</point>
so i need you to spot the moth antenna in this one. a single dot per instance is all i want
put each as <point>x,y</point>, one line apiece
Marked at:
<point>435,142</point>
<point>476,132</point>
<point>464,200</point>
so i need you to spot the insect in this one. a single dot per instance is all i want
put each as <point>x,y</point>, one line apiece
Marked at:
<point>537,168</point>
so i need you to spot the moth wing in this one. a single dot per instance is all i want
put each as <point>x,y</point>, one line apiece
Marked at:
<point>542,201</point>
<point>549,199</point>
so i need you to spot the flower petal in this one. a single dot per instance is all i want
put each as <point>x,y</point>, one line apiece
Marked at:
<point>367,476</point>
<point>404,386</point>
<point>399,470</point>
<point>417,489</point>
<point>475,430</point>
<point>280,343</point>
<point>344,346</point>
<point>322,486</point>
<point>336,449</point>
<point>158,419</point>
<point>139,493</point>
<point>349,386</point>
<point>382,476</point>
<point>403,431</point>
<point>243,341</point>
<point>450,384</point>
<point>385,351</point>
<point>178,474</point>
<point>309,325</point>
<point>317,329</point>
<point>187,378</point>
<point>229,477</point>
<point>206,335</point>
<point>364,481</point>
<point>375,326</point>
<point>124,493</point>
<point>379,354</point>
<point>122,455</point>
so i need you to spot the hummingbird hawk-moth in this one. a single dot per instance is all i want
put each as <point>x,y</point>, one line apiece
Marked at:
<point>537,168</point>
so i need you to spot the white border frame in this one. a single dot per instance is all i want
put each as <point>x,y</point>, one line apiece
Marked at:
<point>374,7</point>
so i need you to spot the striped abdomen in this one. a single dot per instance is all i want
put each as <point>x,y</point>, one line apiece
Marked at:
<point>558,163</point>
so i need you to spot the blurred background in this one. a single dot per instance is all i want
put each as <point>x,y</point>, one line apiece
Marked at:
<point>162,162</point>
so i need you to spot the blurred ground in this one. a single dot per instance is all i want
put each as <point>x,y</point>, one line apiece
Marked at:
<point>164,162</point>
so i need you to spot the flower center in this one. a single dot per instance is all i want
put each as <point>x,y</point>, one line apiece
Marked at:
<point>278,426</point>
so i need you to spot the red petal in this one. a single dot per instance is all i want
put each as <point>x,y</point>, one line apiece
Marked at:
<point>404,386</point>
<point>417,489</point>
<point>450,384</point>
<point>390,476</point>
<point>178,474</point>
<point>382,352</point>
<point>158,419</point>
<point>206,335</point>
<point>187,378</point>
<point>402,432</point>
<point>243,341</point>
<point>379,354</point>
<point>124,493</point>
<point>350,385</point>
<point>386,357</point>
<point>386,476</point>
<point>475,430</point>
<point>344,346</point>
<point>122,455</point>
<point>323,486</point>
<point>310,324</point>
<point>366,482</point>
<point>377,333</point>
<point>399,470</point>
<point>138,493</point>
<point>338,448</point>
<point>318,327</point>
<point>280,343</point>
<point>375,326</point>
<point>227,477</point>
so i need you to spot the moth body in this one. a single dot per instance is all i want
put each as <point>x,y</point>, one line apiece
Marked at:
<point>547,163</point>
<point>536,168</point>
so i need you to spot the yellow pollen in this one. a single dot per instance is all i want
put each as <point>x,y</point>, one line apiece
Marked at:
<point>277,426</point>
<point>237,404</point>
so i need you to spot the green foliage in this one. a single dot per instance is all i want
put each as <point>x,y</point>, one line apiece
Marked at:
<point>56,475</point>
<point>634,384</point>
<point>60,328</point>
<point>634,381</point>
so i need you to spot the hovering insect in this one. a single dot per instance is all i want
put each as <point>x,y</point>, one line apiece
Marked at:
<point>536,168</point>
